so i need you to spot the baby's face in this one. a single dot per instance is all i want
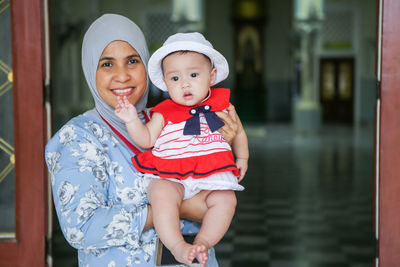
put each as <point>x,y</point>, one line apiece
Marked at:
<point>188,76</point>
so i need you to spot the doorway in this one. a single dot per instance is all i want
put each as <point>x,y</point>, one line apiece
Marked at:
<point>308,199</point>
<point>388,155</point>
<point>337,89</point>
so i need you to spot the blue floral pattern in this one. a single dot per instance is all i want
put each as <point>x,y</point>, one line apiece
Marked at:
<point>99,197</point>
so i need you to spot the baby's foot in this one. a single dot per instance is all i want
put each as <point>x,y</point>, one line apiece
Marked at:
<point>201,253</point>
<point>184,252</point>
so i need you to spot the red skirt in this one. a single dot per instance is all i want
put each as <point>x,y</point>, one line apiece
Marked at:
<point>182,168</point>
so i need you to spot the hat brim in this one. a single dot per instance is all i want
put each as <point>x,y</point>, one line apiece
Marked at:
<point>217,59</point>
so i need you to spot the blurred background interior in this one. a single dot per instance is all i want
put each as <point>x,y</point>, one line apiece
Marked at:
<point>303,80</point>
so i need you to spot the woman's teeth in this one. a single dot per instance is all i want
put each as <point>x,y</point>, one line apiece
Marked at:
<point>121,91</point>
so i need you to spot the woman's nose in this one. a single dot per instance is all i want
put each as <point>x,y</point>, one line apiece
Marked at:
<point>122,75</point>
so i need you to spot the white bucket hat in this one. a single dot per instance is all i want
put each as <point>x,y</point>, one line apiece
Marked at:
<point>193,41</point>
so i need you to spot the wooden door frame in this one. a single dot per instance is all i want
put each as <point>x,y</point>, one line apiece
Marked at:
<point>389,136</point>
<point>28,248</point>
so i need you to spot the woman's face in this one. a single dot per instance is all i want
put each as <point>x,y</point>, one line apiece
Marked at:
<point>120,72</point>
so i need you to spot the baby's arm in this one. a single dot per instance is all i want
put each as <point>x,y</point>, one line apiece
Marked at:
<point>144,135</point>
<point>241,148</point>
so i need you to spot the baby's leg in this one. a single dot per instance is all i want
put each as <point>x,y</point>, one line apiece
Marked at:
<point>165,198</point>
<point>221,208</point>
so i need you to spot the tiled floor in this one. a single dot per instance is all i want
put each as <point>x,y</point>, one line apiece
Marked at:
<point>307,203</point>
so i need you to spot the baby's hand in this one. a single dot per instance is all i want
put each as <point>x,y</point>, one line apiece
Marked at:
<point>242,166</point>
<point>125,110</point>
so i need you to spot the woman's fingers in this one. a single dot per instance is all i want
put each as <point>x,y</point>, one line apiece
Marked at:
<point>228,131</point>
<point>230,119</point>
<point>232,112</point>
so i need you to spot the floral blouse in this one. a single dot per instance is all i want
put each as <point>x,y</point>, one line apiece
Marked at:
<point>99,197</point>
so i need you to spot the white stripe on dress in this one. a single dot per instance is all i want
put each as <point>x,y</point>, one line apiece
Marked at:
<point>173,144</point>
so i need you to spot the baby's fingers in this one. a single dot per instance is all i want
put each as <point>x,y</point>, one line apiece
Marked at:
<point>126,102</point>
<point>119,100</point>
<point>117,108</point>
<point>241,176</point>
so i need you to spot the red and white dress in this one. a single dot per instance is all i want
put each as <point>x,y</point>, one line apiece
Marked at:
<point>202,161</point>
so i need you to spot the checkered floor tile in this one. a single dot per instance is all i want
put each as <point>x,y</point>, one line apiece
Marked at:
<point>307,203</point>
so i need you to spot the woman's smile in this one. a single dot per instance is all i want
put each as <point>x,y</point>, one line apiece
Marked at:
<point>123,91</point>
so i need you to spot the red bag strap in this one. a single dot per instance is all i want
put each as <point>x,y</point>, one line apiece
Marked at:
<point>129,144</point>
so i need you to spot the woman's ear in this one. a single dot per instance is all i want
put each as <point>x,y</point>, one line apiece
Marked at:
<point>213,75</point>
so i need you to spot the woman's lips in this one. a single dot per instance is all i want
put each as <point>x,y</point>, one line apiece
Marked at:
<point>122,92</point>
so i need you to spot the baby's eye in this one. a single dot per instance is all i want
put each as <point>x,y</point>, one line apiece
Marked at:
<point>194,75</point>
<point>175,78</point>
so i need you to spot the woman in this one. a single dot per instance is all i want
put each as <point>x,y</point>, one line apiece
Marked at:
<point>99,196</point>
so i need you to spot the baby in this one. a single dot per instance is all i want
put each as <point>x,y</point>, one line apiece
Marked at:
<point>189,154</point>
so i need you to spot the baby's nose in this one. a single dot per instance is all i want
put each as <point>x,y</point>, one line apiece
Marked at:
<point>185,83</point>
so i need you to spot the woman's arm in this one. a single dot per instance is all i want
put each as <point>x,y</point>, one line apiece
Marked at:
<point>81,170</point>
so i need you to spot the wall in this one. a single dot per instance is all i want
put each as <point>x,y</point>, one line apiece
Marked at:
<point>365,113</point>
<point>279,52</point>
<point>219,31</point>
<point>279,60</point>
<point>69,20</point>
<point>364,54</point>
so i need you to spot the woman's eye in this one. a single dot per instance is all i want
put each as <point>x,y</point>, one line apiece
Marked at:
<point>133,61</point>
<point>175,78</point>
<point>106,64</point>
<point>194,75</point>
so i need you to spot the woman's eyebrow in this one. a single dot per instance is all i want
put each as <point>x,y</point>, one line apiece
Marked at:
<point>111,58</point>
<point>133,56</point>
<point>106,58</point>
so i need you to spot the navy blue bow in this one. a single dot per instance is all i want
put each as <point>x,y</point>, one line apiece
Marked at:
<point>192,126</point>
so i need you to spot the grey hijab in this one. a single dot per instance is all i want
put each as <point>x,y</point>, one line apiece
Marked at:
<point>103,31</point>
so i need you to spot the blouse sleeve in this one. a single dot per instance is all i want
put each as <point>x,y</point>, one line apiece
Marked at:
<point>82,168</point>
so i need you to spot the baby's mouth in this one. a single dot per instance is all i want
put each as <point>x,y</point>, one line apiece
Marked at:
<point>187,95</point>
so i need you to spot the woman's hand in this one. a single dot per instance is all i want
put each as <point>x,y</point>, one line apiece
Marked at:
<point>192,209</point>
<point>229,130</point>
